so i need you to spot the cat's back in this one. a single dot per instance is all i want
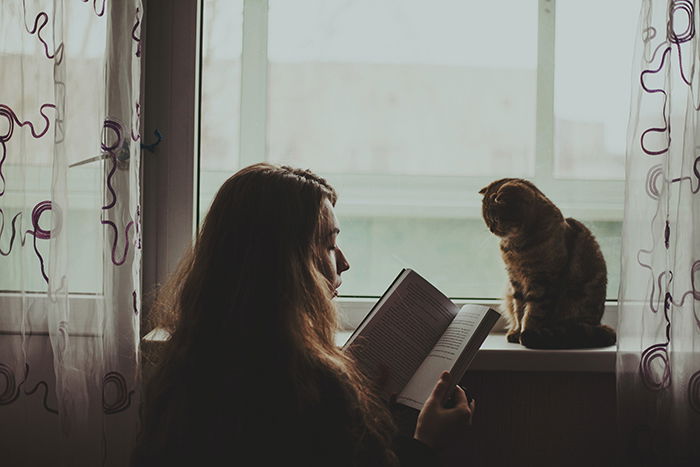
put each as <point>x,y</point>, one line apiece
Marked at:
<point>583,248</point>
<point>586,282</point>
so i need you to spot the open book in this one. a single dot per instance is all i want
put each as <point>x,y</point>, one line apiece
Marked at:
<point>413,334</point>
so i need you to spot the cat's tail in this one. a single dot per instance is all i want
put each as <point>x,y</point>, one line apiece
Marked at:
<point>572,335</point>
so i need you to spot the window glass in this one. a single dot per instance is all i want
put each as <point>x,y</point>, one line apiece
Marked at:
<point>593,63</point>
<point>410,107</point>
<point>397,103</point>
<point>409,87</point>
<point>26,163</point>
<point>222,23</point>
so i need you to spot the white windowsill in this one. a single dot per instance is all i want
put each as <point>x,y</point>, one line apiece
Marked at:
<point>495,354</point>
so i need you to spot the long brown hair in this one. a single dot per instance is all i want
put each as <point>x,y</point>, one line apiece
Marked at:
<point>251,319</point>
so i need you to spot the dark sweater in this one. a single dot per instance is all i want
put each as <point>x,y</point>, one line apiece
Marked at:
<point>317,435</point>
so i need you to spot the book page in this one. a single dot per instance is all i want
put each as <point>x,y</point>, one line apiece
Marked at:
<point>443,356</point>
<point>400,331</point>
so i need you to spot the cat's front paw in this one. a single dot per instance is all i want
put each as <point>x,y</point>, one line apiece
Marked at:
<point>513,337</point>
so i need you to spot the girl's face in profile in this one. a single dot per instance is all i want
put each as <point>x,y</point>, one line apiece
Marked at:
<point>332,260</point>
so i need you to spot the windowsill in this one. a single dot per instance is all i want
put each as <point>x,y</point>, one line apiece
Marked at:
<point>497,354</point>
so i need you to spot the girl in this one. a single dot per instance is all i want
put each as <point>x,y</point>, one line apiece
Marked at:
<point>251,374</point>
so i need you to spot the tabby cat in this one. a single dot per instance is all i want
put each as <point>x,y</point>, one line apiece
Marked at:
<point>557,272</point>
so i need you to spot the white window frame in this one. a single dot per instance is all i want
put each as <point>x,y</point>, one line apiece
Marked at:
<point>171,179</point>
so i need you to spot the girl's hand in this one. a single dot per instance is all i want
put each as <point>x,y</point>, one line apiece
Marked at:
<point>438,426</point>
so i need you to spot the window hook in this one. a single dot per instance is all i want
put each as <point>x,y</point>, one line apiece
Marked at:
<point>151,147</point>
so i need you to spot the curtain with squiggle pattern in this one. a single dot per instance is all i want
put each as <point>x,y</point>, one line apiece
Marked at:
<point>70,242</point>
<point>658,363</point>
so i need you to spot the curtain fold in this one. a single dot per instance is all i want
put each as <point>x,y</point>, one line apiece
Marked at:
<point>69,231</point>
<point>658,362</point>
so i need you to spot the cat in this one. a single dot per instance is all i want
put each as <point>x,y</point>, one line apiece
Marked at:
<point>557,273</point>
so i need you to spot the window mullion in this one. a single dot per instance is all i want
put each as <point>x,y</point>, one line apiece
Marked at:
<point>254,64</point>
<point>544,130</point>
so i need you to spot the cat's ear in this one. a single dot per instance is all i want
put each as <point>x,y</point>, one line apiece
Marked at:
<point>483,190</point>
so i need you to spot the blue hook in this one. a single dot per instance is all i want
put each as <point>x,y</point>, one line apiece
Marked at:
<point>151,147</point>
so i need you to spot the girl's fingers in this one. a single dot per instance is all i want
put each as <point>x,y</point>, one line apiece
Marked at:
<point>440,388</point>
<point>460,397</point>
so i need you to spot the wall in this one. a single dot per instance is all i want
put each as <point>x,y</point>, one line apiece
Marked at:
<point>29,423</point>
<point>31,432</point>
<point>539,419</point>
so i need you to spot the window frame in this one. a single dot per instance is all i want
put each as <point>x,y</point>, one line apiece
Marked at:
<point>170,102</point>
<point>171,179</point>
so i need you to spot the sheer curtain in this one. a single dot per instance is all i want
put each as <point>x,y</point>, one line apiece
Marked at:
<point>658,366</point>
<point>69,231</point>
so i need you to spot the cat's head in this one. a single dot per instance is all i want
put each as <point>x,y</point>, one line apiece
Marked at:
<point>511,205</point>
